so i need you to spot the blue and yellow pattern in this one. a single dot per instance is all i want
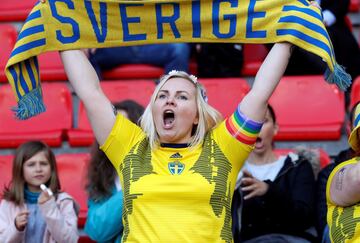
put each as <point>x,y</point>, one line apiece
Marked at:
<point>73,24</point>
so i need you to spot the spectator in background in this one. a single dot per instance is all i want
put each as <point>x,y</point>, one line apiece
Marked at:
<point>344,155</point>
<point>28,214</point>
<point>343,192</point>
<point>278,192</point>
<point>104,219</point>
<point>219,59</point>
<point>169,56</point>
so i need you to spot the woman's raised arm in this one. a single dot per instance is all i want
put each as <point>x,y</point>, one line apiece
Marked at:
<point>254,104</point>
<point>85,82</point>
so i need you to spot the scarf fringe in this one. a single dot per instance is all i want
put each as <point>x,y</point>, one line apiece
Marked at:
<point>29,105</point>
<point>339,77</point>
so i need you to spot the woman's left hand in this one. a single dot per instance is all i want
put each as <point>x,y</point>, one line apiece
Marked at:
<point>253,186</point>
<point>44,197</point>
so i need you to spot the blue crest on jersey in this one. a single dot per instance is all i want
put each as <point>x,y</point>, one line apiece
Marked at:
<point>176,167</point>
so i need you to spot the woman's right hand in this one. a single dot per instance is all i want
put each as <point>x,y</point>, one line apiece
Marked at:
<point>21,220</point>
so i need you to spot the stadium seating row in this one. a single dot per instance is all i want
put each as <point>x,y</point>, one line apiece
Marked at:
<point>318,116</point>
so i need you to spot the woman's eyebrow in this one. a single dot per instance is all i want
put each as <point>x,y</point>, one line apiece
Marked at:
<point>179,91</point>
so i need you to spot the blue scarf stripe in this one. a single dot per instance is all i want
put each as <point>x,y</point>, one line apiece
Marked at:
<point>304,2</point>
<point>304,37</point>
<point>23,83</point>
<point>34,62</point>
<point>357,120</point>
<point>307,11</point>
<point>305,23</point>
<point>31,31</point>
<point>15,77</point>
<point>28,46</point>
<point>31,73</point>
<point>33,15</point>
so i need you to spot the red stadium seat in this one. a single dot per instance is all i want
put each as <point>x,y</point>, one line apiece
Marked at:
<point>85,239</point>
<point>5,171</point>
<point>72,169</point>
<point>355,92</point>
<point>348,23</point>
<point>225,94</point>
<point>308,108</point>
<point>354,6</point>
<point>133,71</point>
<point>48,126</point>
<point>323,156</point>
<point>51,67</point>
<point>8,36</point>
<point>254,55</point>
<point>138,90</point>
<point>15,10</point>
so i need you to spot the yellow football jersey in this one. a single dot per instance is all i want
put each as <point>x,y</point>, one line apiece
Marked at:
<point>175,193</point>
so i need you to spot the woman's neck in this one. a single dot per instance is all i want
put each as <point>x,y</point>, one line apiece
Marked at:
<point>263,158</point>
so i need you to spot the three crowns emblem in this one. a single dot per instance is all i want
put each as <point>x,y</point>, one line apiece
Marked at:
<point>176,167</point>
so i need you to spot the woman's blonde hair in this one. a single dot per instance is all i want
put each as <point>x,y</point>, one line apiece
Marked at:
<point>209,117</point>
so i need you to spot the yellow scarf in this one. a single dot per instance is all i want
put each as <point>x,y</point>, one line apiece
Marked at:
<point>75,24</point>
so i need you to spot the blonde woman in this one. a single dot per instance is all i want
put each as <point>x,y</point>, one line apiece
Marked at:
<point>178,170</point>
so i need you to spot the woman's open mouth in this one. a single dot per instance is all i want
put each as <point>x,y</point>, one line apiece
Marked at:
<point>168,118</point>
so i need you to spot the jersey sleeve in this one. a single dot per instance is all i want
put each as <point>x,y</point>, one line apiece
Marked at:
<point>331,177</point>
<point>123,136</point>
<point>340,217</point>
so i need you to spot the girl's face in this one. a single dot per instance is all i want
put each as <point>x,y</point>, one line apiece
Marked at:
<point>36,171</point>
<point>265,139</point>
<point>175,111</point>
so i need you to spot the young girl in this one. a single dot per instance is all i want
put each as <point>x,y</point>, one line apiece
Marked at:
<point>28,214</point>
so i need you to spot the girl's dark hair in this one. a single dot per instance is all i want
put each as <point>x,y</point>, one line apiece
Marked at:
<point>101,173</point>
<point>15,191</point>
<point>273,117</point>
<point>133,109</point>
<point>272,113</point>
